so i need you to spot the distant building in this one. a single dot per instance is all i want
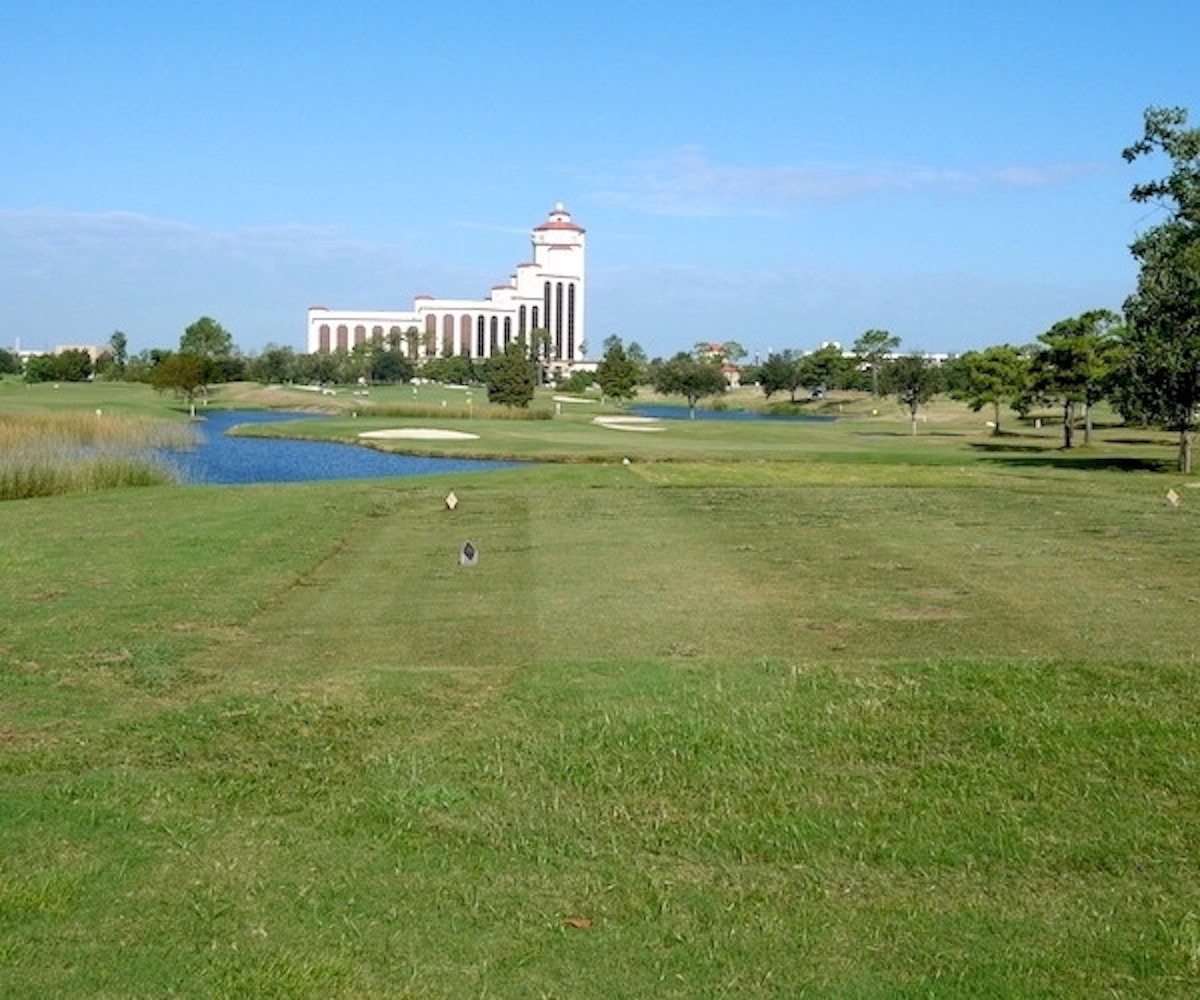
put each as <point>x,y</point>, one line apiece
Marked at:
<point>543,294</point>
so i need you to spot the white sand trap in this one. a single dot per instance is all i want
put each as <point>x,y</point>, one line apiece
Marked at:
<point>574,399</point>
<point>419,434</point>
<point>643,424</point>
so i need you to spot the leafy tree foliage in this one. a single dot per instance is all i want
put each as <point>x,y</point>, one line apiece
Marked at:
<point>1073,366</point>
<point>66,366</point>
<point>10,363</point>
<point>206,338</point>
<point>1159,378</point>
<point>390,366</point>
<point>826,368</point>
<point>183,374</point>
<point>451,368</point>
<point>872,348</point>
<point>992,377</point>
<point>617,375</point>
<point>684,376</point>
<point>913,380</point>
<point>781,373</point>
<point>510,377</point>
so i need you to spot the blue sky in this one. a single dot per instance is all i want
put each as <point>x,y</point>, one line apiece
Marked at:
<point>781,174</point>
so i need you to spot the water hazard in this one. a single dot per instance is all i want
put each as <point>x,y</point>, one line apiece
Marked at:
<point>221,459</point>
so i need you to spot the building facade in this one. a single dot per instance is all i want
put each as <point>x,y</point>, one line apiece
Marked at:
<point>542,303</point>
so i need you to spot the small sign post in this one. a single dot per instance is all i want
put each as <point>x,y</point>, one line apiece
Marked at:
<point>469,556</point>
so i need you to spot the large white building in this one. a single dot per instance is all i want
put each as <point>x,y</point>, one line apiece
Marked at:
<point>545,294</point>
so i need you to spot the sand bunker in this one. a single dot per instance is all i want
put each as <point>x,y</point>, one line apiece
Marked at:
<point>628,423</point>
<point>419,434</point>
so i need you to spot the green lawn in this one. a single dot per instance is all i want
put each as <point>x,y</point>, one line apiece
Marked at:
<point>754,715</point>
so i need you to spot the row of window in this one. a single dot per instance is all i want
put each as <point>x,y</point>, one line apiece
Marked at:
<point>491,333</point>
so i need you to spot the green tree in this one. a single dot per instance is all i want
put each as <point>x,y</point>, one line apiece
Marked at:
<point>274,364</point>
<point>66,366</point>
<point>872,349</point>
<point>826,368</point>
<point>183,374</point>
<point>510,377</point>
<point>1158,380</point>
<point>913,380</point>
<point>684,376</point>
<point>781,373</point>
<point>1072,367</point>
<point>206,338</point>
<point>10,363</point>
<point>118,348</point>
<point>617,375</point>
<point>993,377</point>
<point>391,366</point>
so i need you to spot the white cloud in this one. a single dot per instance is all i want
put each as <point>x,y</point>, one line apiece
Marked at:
<point>688,182</point>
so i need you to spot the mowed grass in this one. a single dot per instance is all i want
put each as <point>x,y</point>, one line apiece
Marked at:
<point>689,728</point>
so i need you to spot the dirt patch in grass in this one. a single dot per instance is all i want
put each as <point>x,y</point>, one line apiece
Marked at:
<point>923,614</point>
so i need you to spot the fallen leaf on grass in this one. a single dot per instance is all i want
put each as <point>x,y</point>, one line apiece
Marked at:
<point>581,922</point>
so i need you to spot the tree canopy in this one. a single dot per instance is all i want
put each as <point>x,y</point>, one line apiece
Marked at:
<point>206,338</point>
<point>684,376</point>
<point>1159,377</point>
<point>873,347</point>
<point>913,380</point>
<point>993,376</point>
<point>510,377</point>
<point>617,375</point>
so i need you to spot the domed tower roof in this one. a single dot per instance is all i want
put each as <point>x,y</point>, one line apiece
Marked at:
<point>559,219</point>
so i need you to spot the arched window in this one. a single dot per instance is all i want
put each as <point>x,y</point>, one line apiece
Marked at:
<point>480,333</point>
<point>521,321</point>
<point>360,335</point>
<point>343,338</point>
<point>494,335</point>
<point>464,336</point>
<point>323,339</point>
<point>507,330</point>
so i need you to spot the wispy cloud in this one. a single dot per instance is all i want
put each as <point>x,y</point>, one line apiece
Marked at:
<point>73,276</point>
<point>688,182</point>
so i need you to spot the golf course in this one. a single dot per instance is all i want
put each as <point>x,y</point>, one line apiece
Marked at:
<point>720,708</point>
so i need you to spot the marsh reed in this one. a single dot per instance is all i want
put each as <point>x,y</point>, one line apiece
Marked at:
<point>45,454</point>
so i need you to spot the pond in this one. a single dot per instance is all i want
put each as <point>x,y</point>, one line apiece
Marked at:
<point>681,413</point>
<point>221,459</point>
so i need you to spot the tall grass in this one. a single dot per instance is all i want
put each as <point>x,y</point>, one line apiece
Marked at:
<point>45,454</point>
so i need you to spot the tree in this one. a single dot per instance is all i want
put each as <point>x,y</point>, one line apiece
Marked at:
<point>118,346</point>
<point>872,348</point>
<point>391,366</point>
<point>913,380</point>
<point>993,377</point>
<point>1072,367</point>
<point>779,373</point>
<point>684,376</point>
<point>183,374</point>
<point>825,368</point>
<point>510,376</point>
<point>1158,380</point>
<point>617,375</point>
<point>206,338</point>
<point>10,363</point>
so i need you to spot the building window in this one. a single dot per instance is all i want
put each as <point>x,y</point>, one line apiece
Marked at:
<point>558,323</point>
<point>521,322</point>
<point>360,335</point>
<point>507,330</point>
<point>464,336</point>
<point>323,339</point>
<point>546,306</point>
<point>343,338</point>
<point>494,335</point>
<point>571,320</point>
<point>480,334</point>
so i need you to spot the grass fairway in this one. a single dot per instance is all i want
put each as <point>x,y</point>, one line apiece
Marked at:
<point>863,721</point>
